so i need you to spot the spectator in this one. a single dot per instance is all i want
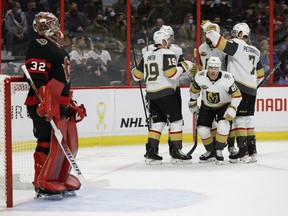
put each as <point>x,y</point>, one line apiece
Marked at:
<point>15,29</point>
<point>221,8</point>
<point>30,15</point>
<point>78,58</point>
<point>283,80</point>
<point>115,68</point>
<point>120,6</point>
<point>98,27</point>
<point>76,21</point>
<point>144,9</point>
<point>118,29</point>
<point>109,16</point>
<point>92,8</point>
<point>97,73</point>
<point>181,7</point>
<point>265,57</point>
<point>187,31</point>
<point>100,53</point>
<point>158,25</point>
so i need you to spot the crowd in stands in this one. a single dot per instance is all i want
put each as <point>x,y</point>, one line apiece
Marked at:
<point>95,33</point>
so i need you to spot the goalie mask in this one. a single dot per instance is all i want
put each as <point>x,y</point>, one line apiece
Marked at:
<point>241,27</point>
<point>47,24</point>
<point>167,29</point>
<point>161,37</point>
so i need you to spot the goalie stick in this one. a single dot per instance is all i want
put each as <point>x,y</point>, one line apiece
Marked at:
<point>65,148</point>
<point>282,59</point>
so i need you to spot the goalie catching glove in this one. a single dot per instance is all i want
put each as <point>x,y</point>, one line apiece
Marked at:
<point>192,104</point>
<point>207,26</point>
<point>230,113</point>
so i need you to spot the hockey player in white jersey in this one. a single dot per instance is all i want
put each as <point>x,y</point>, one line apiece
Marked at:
<point>179,58</point>
<point>161,73</point>
<point>206,50</point>
<point>220,99</point>
<point>244,63</point>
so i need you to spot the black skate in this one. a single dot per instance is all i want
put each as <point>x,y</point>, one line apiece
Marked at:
<point>44,194</point>
<point>219,157</point>
<point>207,157</point>
<point>178,157</point>
<point>252,151</point>
<point>232,150</point>
<point>152,157</point>
<point>241,156</point>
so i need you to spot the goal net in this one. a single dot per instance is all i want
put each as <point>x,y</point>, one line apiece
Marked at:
<point>17,142</point>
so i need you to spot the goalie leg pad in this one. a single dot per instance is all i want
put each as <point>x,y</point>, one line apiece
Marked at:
<point>40,181</point>
<point>49,173</point>
<point>70,181</point>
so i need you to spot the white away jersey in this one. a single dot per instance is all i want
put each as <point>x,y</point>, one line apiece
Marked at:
<point>152,68</point>
<point>215,93</point>
<point>174,48</point>
<point>205,52</point>
<point>243,61</point>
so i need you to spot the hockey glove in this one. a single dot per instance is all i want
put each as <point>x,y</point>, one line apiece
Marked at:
<point>207,26</point>
<point>78,111</point>
<point>230,113</point>
<point>186,65</point>
<point>192,104</point>
<point>42,112</point>
<point>194,69</point>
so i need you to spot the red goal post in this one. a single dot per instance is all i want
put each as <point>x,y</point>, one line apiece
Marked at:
<point>16,145</point>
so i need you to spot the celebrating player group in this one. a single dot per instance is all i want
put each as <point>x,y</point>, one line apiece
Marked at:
<point>223,94</point>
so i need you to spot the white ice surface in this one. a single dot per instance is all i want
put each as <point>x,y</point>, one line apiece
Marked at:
<point>258,189</point>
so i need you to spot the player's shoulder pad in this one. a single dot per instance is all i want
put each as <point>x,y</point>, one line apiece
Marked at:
<point>42,41</point>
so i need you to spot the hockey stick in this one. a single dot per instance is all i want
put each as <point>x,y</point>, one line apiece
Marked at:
<point>195,133</point>
<point>65,148</point>
<point>282,59</point>
<point>146,26</point>
<point>195,117</point>
<point>141,91</point>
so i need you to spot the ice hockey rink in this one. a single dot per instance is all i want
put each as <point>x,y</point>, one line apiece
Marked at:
<point>130,187</point>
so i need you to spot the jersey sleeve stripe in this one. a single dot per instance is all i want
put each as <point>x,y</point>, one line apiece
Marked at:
<point>170,72</point>
<point>221,44</point>
<point>138,74</point>
<point>48,65</point>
